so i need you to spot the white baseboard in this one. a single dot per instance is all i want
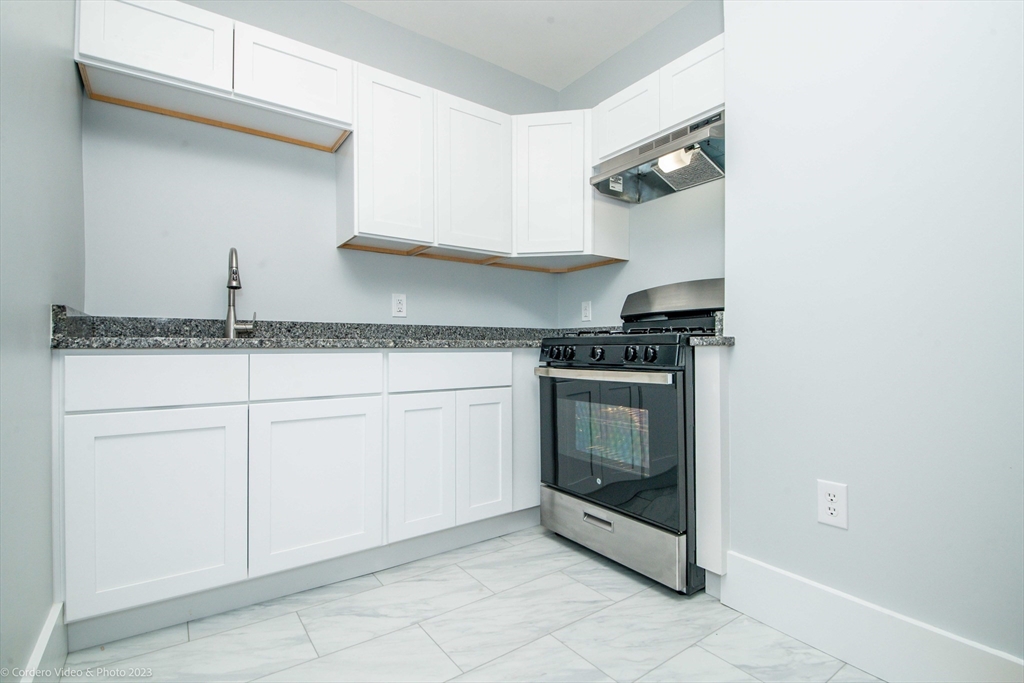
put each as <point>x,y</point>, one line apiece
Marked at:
<point>872,638</point>
<point>51,649</point>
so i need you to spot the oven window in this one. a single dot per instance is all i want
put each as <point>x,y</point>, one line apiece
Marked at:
<point>614,436</point>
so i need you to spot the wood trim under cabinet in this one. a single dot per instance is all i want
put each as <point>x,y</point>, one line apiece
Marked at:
<point>495,261</point>
<point>210,122</point>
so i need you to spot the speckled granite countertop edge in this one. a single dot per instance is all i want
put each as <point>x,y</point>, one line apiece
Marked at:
<point>73,330</point>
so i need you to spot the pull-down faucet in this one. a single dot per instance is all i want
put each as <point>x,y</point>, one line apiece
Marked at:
<point>232,327</point>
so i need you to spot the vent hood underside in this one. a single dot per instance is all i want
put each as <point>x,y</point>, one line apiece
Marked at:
<point>635,176</point>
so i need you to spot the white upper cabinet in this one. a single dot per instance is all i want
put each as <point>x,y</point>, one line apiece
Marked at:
<point>315,481</point>
<point>272,68</point>
<point>483,453</point>
<point>160,36</point>
<point>626,117</point>
<point>474,176</point>
<point>395,157</point>
<point>550,182</point>
<point>694,84</point>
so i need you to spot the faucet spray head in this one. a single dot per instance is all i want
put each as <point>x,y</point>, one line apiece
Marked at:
<point>234,281</point>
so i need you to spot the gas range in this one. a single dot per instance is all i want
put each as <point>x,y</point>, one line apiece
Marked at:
<point>641,344</point>
<point>617,432</point>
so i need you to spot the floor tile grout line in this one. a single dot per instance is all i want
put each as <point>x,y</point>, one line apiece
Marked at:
<point>443,651</point>
<point>484,554</point>
<point>742,614</point>
<point>188,630</point>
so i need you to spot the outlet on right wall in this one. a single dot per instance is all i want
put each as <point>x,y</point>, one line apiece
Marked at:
<point>874,257</point>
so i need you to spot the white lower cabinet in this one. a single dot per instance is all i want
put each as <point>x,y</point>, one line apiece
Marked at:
<point>421,463</point>
<point>155,505</point>
<point>483,453</point>
<point>315,481</point>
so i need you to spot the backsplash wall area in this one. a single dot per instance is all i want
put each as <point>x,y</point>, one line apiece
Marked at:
<point>166,199</point>
<point>675,238</point>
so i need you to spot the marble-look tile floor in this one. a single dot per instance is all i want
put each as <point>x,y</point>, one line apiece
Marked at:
<point>529,606</point>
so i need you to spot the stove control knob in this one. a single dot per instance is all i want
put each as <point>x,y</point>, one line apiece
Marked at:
<point>556,352</point>
<point>650,354</point>
<point>597,353</point>
<point>629,355</point>
<point>570,352</point>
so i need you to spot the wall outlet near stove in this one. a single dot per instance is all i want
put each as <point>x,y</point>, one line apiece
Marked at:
<point>832,504</point>
<point>586,312</point>
<point>398,306</point>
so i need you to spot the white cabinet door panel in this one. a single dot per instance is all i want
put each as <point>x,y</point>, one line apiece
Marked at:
<point>474,176</point>
<point>275,69</point>
<point>421,464</point>
<point>694,84</point>
<point>627,117</point>
<point>155,505</point>
<point>395,157</point>
<point>311,375</point>
<point>315,481</point>
<point>550,182</point>
<point>167,38</point>
<point>483,454</point>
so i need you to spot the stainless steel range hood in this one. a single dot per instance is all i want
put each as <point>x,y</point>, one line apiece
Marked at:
<point>686,157</point>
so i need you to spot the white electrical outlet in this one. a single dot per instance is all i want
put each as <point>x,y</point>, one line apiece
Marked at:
<point>586,311</point>
<point>832,504</point>
<point>398,308</point>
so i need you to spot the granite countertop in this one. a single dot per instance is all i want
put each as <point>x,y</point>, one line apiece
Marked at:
<point>73,329</point>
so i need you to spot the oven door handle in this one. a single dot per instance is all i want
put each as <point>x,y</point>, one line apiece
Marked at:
<point>607,375</point>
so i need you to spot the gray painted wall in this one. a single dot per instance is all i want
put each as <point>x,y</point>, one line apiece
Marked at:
<point>904,270</point>
<point>41,261</point>
<point>675,238</point>
<point>693,25</point>
<point>359,35</point>
<point>166,199</point>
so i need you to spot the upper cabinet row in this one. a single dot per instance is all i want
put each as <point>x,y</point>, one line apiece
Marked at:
<point>681,92</point>
<point>427,173</point>
<point>433,175</point>
<point>182,61</point>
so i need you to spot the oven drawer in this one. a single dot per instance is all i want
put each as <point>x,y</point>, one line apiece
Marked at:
<point>653,552</point>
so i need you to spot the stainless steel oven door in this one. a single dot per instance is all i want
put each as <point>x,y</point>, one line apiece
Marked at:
<point>616,437</point>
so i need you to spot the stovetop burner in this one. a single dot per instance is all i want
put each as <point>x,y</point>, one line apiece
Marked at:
<point>656,324</point>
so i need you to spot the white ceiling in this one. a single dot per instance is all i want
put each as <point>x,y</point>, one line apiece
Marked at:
<point>551,42</point>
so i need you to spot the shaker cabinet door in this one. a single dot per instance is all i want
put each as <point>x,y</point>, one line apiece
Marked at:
<point>421,464</point>
<point>395,157</point>
<point>315,481</point>
<point>627,117</point>
<point>474,176</point>
<point>272,68</point>
<point>165,38</point>
<point>483,453</point>
<point>550,182</point>
<point>155,505</point>
<point>694,84</point>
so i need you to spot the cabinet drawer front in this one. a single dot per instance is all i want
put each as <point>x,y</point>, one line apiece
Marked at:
<point>118,382</point>
<point>310,375</point>
<point>155,505</point>
<point>449,370</point>
<point>275,69</point>
<point>166,38</point>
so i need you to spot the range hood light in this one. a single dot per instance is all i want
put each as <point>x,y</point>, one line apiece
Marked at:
<point>675,160</point>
